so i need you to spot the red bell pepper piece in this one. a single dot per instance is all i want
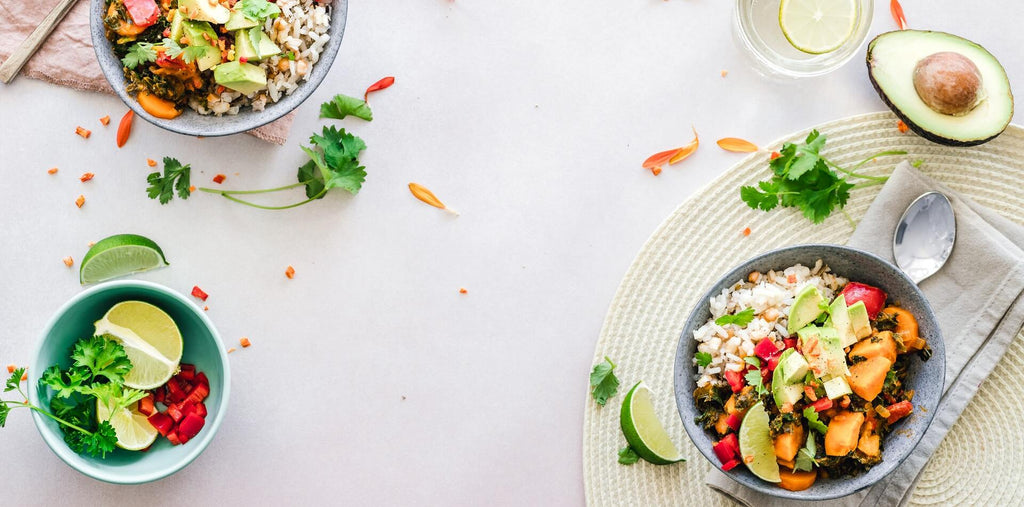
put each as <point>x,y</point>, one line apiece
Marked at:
<point>873,297</point>
<point>735,380</point>
<point>175,393</point>
<point>790,343</point>
<point>197,292</point>
<point>198,394</point>
<point>146,406</point>
<point>175,412</point>
<point>773,360</point>
<point>899,411</point>
<point>173,438</point>
<point>188,367</point>
<point>200,410</point>
<point>765,348</point>
<point>733,421</point>
<point>822,405</point>
<point>161,422</point>
<point>190,426</point>
<point>201,380</point>
<point>158,394</point>
<point>182,438</point>
<point>143,12</point>
<point>733,463</point>
<point>724,450</point>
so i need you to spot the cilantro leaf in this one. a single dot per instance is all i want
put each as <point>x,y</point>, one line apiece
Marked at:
<point>102,357</point>
<point>14,381</point>
<point>627,456</point>
<point>188,54</point>
<point>115,396</point>
<point>4,410</point>
<point>175,178</point>
<point>64,383</point>
<point>258,10</point>
<point>754,379</point>
<point>752,361</point>
<point>812,420</point>
<point>604,384</point>
<point>342,105</point>
<point>703,359</point>
<point>335,153</point>
<point>740,319</point>
<point>805,459</point>
<point>139,53</point>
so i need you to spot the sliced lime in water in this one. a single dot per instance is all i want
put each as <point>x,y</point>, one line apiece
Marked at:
<point>818,26</point>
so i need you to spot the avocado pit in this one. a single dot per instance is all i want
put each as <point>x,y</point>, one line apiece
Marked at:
<point>949,83</point>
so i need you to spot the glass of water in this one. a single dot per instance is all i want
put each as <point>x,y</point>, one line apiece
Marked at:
<point>756,28</point>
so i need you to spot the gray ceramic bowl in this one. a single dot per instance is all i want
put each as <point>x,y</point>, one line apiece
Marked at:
<point>925,378</point>
<point>195,124</point>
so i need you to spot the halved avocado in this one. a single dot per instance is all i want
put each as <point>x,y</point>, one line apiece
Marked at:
<point>947,89</point>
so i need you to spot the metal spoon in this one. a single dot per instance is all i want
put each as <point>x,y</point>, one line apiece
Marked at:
<point>22,53</point>
<point>924,236</point>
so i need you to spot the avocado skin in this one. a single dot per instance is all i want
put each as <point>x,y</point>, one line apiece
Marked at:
<point>935,138</point>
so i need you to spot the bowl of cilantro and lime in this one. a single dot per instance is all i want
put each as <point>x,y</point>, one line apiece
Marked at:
<point>809,372</point>
<point>129,383</point>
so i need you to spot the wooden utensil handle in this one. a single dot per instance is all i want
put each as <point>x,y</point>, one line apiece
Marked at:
<point>22,53</point>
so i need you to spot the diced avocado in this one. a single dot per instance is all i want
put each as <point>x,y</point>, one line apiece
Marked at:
<point>790,393</point>
<point>837,387</point>
<point>840,319</point>
<point>783,389</point>
<point>239,21</point>
<point>823,352</point>
<point>204,10</point>
<point>267,47</point>
<point>793,367</point>
<point>806,307</point>
<point>859,320</point>
<point>245,48</point>
<point>241,77</point>
<point>177,27</point>
<point>195,32</point>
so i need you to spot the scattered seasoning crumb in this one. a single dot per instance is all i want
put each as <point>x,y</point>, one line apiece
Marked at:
<point>656,170</point>
<point>86,177</point>
<point>244,342</point>
<point>289,272</point>
<point>236,174</point>
<point>463,291</point>
<point>80,201</point>
<point>85,133</point>
<point>105,120</point>
<point>197,292</point>
<point>725,73</point>
<point>91,243</point>
<point>52,170</point>
<point>791,278</point>
<point>192,188</point>
<point>206,308</point>
<point>232,349</point>
<point>775,155</point>
<point>219,178</point>
<point>746,232</point>
<point>150,162</point>
<point>24,376</point>
<point>68,261</point>
<point>902,127</point>
<point>11,368</point>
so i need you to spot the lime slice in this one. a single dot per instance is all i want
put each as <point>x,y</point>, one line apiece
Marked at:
<point>134,432</point>
<point>149,337</point>
<point>756,444</point>
<point>818,26</point>
<point>644,432</point>
<point>120,255</point>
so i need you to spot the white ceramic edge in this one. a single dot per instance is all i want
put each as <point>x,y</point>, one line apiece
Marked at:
<point>36,368</point>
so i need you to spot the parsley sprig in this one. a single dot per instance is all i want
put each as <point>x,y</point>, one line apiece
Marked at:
<point>740,319</point>
<point>147,52</point>
<point>803,179</point>
<point>603,382</point>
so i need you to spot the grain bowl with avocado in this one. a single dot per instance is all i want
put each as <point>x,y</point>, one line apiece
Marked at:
<point>215,56</point>
<point>800,374</point>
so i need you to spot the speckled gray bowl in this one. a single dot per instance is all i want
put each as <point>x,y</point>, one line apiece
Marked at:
<point>925,378</point>
<point>195,124</point>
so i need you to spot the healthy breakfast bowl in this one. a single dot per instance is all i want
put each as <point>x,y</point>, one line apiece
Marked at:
<point>157,363</point>
<point>809,372</point>
<point>214,68</point>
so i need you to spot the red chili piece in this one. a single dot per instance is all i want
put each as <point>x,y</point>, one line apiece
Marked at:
<point>143,12</point>
<point>197,292</point>
<point>379,85</point>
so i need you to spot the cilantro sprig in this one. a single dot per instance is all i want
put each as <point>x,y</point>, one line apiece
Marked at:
<point>627,456</point>
<point>603,382</point>
<point>342,105</point>
<point>805,459</point>
<point>754,379</point>
<point>703,359</point>
<point>97,373</point>
<point>740,319</point>
<point>175,178</point>
<point>138,54</point>
<point>258,10</point>
<point>802,178</point>
<point>812,420</point>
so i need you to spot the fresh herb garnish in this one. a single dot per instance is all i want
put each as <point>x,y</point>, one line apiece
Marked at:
<point>752,361</point>
<point>812,420</point>
<point>139,53</point>
<point>188,54</point>
<point>175,177</point>
<point>343,105</point>
<point>604,384</point>
<point>703,359</point>
<point>258,10</point>
<point>740,319</point>
<point>803,179</point>
<point>627,456</point>
<point>805,458</point>
<point>754,379</point>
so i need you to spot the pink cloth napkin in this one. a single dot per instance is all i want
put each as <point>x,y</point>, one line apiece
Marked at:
<point>67,57</point>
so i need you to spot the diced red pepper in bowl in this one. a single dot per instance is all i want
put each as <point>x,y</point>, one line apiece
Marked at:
<point>873,297</point>
<point>198,394</point>
<point>899,410</point>
<point>822,405</point>
<point>146,406</point>
<point>175,412</point>
<point>173,438</point>
<point>190,426</point>
<point>727,448</point>
<point>200,409</point>
<point>790,343</point>
<point>162,422</point>
<point>175,392</point>
<point>735,380</point>
<point>143,12</point>
<point>733,463</point>
<point>765,348</point>
<point>733,421</point>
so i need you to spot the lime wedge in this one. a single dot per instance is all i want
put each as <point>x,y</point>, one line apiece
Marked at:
<point>756,444</point>
<point>149,337</point>
<point>818,26</point>
<point>134,432</point>
<point>120,255</point>
<point>643,430</point>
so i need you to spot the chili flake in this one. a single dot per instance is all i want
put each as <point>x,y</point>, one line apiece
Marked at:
<point>52,170</point>
<point>230,350</point>
<point>86,177</point>
<point>150,162</point>
<point>746,232</point>
<point>105,120</point>
<point>80,201</point>
<point>68,261</point>
<point>463,291</point>
<point>219,178</point>
<point>197,292</point>
<point>11,368</point>
<point>289,272</point>
<point>244,342</point>
<point>903,128</point>
<point>85,133</point>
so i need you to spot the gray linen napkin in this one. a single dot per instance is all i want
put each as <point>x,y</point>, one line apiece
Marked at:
<point>978,300</point>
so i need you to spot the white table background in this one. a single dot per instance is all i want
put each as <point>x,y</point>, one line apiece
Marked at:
<point>371,380</point>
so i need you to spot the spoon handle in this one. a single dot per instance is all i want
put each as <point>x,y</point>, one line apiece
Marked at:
<point>29,46</point>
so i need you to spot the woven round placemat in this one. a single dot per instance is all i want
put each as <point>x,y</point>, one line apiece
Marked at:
<point>981,460</point>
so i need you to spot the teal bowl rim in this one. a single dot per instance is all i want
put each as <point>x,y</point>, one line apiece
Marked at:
<point>61,449</point>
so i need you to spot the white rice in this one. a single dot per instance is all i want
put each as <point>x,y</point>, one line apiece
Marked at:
<point>301,28</point>
<point>772,293</point>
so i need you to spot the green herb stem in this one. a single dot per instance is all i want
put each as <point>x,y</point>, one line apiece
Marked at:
<point>51,416</point>
<point>886,153</point>
<point>264,191</point>
<point>272,208</point>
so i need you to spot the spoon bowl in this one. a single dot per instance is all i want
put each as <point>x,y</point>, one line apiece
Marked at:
<point>925,236</point>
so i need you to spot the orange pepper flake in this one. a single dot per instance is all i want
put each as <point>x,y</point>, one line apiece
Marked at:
<point>192,188</point>
<point>746,232</point>
<point>748,458</point>
<point>91,243</point>
<point>219,178</point>
<point>150,162</point>
<point>11,368</point>
<point>230,350</point>
<point>68,261</point>
<point>52,170</point>
<point>656,170</point>
<point>737,145</point>
<point>791,278</point>
<point>80,201</point>
<point>725,73</point>
<point>24,376</point>
<point>85,133</point>
<point>105,120</point>
<point>206,308</point>
<point>463,291</point>
<point>423,194</point>
<point>289,272</point>
<point>86,177</point>
<point>903,128</point>
<point>244,342</point>
<point>775,155</point>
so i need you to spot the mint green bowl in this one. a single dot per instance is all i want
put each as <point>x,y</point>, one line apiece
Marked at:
<point>203,348</point>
